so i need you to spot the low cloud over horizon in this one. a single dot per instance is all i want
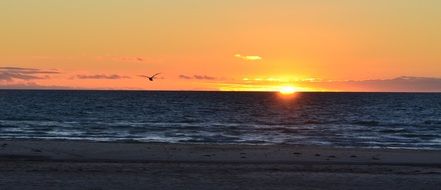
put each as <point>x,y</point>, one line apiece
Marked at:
<point>35,86</point>
<point>398,84</point>
<point>102,76</point>
<point>13,73</point>
<point>31,78</point>
<point>197,77</point>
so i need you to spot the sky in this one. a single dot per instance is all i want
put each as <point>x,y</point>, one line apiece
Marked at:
<point>252,45</point>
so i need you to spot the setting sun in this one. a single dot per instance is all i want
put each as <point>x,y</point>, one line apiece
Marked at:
<point>287,90</point>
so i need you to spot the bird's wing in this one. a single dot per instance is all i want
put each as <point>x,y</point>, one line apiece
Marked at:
<point>145,76</point>
<point>155,74</point>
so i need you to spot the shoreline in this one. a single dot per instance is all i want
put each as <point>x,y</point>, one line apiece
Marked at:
<point>128,141</point>
<point>66,150</point>
<point>68,165</point>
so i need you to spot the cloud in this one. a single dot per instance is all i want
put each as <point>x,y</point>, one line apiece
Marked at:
<point>248,57</point>
<point>203,77</point>
<point>197,77</point>
<point>130,59</point>
<point>102,76</point>
<point>34,86</point>
<point>399,84</point>
<point>185,77</point>
<point>14,73</point>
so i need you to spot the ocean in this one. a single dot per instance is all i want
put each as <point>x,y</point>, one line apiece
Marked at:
<point>366,120</point>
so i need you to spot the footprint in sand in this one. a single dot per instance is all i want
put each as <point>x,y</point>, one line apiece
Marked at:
<point>209,155</point>
<point>353,156</point>
<point>296,153</point>
<point>317,155</point>
<point>36,150</point>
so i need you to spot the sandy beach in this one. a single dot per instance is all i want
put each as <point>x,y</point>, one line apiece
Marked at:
<point>49,164</point>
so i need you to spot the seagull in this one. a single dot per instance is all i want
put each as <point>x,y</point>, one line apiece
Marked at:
<point>151,78</point>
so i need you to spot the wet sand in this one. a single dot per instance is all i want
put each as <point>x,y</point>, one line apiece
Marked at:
<point>45,164</point>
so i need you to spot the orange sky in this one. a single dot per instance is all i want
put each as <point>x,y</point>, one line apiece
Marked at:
<point>221,45</point>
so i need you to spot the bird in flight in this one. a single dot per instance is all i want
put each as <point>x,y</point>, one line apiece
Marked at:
<point>151,78</point>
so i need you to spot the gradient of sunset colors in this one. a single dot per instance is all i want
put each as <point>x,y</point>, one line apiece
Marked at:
<point>253,45</point>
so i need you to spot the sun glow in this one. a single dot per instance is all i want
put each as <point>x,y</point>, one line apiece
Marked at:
<point>287,90</point>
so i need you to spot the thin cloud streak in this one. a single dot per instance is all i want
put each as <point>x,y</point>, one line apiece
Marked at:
<point>248,57</point>
<point>18,73</point>
<point>102,76</point>
<point>129,59</point>
<point>197,77</point>
<point>185,77</point>
<point>203,77</point>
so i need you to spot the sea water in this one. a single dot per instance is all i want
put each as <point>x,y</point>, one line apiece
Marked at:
<point>368,120</point>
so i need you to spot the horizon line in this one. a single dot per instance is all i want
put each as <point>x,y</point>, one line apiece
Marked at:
<point>227,91</point>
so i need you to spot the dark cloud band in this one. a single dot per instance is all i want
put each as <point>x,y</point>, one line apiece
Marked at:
<point>101,76</point>
<point>19,73</point>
